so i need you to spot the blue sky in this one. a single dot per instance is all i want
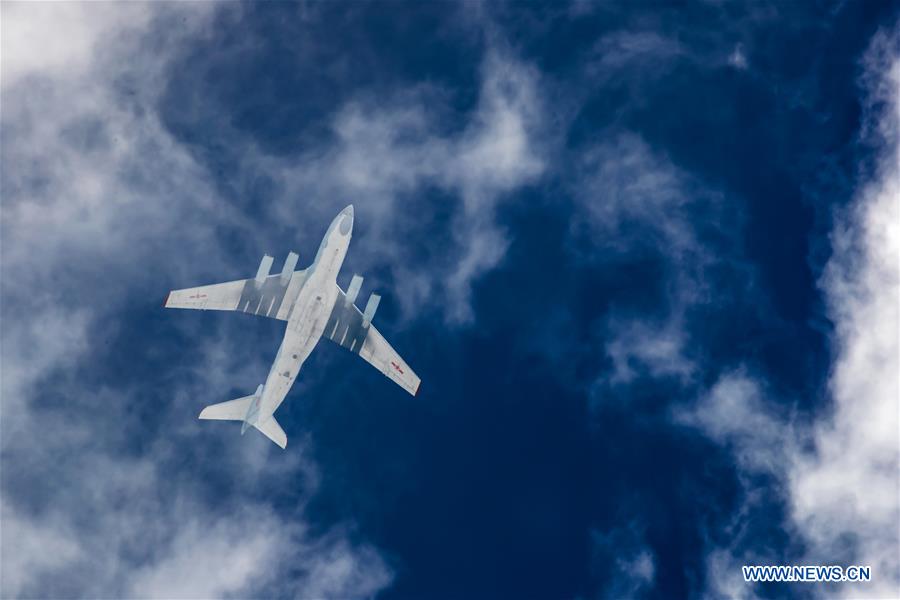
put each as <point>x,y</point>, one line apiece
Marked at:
<point>644,258</point>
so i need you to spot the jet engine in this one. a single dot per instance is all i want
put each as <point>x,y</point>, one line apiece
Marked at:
<point>263,272</point>
<point>371,307</point>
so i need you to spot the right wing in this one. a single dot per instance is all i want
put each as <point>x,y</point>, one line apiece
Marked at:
<point>267,296</point>
<point>348,327</point>
<point>378,352</point>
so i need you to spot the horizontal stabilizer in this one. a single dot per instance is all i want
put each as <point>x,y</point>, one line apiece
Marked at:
<point>272,430</point>
<point>232,410</point>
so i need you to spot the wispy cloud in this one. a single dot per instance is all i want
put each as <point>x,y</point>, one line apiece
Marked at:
<point>101,203</point>
<point>848,487</point>
<point>106,491</point>
<point>388,150</point>
<point>836,479</point>
<point>633,570</point>
<point>635,203</point>
<point>839,476</point>
<point>734,413</point>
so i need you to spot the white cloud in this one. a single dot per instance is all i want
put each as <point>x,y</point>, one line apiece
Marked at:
<point>186,571</point>
<point>623,182</point>
<point>388,150</point>
<point>738,59</point>
<point>101,204</point>
<point>849,486</point>
<point>734,414</point>
<point>334,569</point>
<point>637,347</point>
<point>45,38</point>
<point>41,546</point>
<point>724,578</point>
<point>635,202</point>
<point>330,567</point>
<point>840,477</point>
<point>621,49</point>
<point>634,567</point>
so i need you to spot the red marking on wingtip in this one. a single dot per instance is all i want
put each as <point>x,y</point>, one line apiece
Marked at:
<point>417,389</point>
<point>166,301</point>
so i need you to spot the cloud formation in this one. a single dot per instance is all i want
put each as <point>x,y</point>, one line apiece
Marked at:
<point>387,151</point>
<point>125,173</point>
<point>635,204</point>
<point>846,490</point>
<point>103,491</point>
<point>839,475</point>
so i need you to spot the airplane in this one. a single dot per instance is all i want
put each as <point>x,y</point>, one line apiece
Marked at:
<point>314,307</point>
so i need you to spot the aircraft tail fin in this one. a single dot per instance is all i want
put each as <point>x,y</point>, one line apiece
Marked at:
<point>272,430</point>
<point>246,409</point>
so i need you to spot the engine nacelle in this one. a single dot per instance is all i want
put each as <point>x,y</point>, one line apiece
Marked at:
<point>353,290</point>
<point>371,307</point>
<point>264,266</point>
<point>288,269</point>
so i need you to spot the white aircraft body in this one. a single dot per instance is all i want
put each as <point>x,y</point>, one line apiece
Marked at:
<point>314,306</point>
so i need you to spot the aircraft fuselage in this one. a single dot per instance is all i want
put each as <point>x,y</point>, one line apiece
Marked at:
<point>309,314</point>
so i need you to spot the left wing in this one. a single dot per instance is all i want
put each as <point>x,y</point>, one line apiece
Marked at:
<point>264,295</point>
<point>349,327</point>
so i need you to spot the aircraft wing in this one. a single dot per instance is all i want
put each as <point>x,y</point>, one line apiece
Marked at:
<point>265,295</point>
<point>349,327</point>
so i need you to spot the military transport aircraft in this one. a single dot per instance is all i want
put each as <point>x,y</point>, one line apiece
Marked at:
<point>314,306</point>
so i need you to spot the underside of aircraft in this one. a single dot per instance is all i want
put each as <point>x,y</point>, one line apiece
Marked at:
<point>314,306</point>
